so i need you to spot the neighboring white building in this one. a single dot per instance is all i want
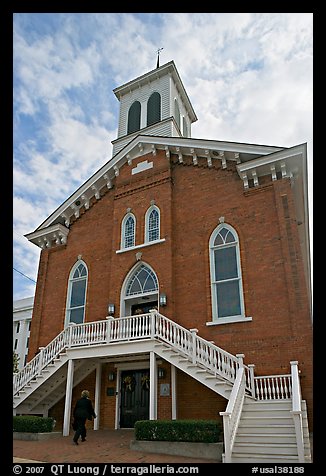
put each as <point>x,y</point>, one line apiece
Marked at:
<point>22,317</point>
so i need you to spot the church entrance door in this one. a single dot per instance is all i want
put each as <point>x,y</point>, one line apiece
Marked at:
<point>134,397</point>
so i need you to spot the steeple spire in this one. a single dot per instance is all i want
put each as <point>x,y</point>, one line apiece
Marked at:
<point>158,57</point>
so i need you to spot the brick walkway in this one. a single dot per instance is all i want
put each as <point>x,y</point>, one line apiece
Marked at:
<point>102,446</point>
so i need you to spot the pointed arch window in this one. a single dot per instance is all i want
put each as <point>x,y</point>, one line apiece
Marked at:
<point>226,278</point>
<point>128,231</point>
<point>154,108</point>
<point>76,298</point>
<point>152,224</point>
<point>143,281</point>
<point>134,117</point>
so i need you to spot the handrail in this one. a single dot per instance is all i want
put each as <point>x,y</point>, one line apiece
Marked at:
<point>149,325</point>
<point>35,366</point>
<point>297,410</point>
<point>201,351</point>
<point>231,416</point>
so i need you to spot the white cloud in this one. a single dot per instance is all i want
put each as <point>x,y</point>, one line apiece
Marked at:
<point>248,76</point>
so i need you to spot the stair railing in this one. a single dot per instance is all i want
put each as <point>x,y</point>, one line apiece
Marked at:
<point>41,360</point>
<point>297,410</point>
<point>201,351</point>
<point>231,416</point>
<point>149,325</point>
<point>273,387</point>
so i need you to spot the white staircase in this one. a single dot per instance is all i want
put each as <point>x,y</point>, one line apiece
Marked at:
<point>266,433</point>
<point>265,419</point>
<point>197,371</point>
<point>46,389</point>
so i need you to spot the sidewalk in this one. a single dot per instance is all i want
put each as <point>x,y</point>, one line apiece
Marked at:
<point>102,446</point>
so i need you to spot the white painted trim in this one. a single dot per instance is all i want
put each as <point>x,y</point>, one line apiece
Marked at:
<point>229,320</point>
<point>70,281</point>
<point>212,248</point>
<point>123,224</point>
<point>123,296</point>
<point>147,214</point>
<point>173,393</point>
<point>141,167</point>
<point>152,387</point>
<point>69,387</point>
<point>97,403</point>
<point>136,247</point>
<point>144,364</point>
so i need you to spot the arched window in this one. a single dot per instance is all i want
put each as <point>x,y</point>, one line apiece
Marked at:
<point>152,224</point>
<point>177,113</point>
<point>134,117</point>
<point>142,281</point>
<point>128,231</point>
<point>154,108</point>
<point>226,279</point>
<point>76,298</point>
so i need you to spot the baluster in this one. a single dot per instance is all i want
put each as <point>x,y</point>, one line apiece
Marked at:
<point>214,360</point>
<point>171,333</point>
<point>174,336</point>
<point>194,349</point>
<point>290,386</point>
<point>286,390</point>
<point>282,388</point>
<point>140,326</point>
<point>277,388</point>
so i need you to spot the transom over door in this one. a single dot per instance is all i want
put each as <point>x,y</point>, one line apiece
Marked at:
<point>134,397</point>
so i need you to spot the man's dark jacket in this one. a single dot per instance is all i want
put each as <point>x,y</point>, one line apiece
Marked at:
<point>84,409</point>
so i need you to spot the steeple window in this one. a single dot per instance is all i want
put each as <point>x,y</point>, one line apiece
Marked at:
<point>134,117</point>
<point>154,108</point>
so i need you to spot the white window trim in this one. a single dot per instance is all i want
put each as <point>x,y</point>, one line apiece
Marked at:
<point>70,281</point>
<point>225,320</point>
<point>147,214</point>
<point>125,218</point>
<point>143,245</point>
<point>229,320</point>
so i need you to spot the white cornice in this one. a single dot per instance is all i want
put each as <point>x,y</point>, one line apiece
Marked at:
<point>47,237</point>
<point>105,176</point>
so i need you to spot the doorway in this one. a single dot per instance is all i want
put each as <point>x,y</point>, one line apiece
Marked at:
<point>134,397</point>
<point>143,307</point>
<point>140,290</point>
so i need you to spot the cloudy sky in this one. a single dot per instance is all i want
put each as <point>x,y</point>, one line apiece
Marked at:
<point>248,76</point>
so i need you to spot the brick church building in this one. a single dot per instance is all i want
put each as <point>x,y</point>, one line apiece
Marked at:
<point>175,284</point>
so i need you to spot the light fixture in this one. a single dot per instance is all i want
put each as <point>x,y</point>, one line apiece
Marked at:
<point>161,372</point>
<point>162,299</point>
<point>111,309</point>
<point>111,376</point>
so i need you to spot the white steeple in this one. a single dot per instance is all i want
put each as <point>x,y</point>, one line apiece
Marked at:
<point>154,104</point>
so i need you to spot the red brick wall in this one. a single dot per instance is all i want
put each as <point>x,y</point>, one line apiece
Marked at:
<point>191,200</point>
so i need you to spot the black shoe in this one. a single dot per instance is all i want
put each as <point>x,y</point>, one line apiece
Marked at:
<point>83,439</point>
<point>75,442</point>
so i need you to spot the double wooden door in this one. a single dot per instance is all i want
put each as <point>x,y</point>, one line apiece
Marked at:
<point>134,397</point>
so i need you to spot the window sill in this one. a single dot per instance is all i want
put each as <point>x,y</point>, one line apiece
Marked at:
<point>229,320</point>
<point>131,248</point>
